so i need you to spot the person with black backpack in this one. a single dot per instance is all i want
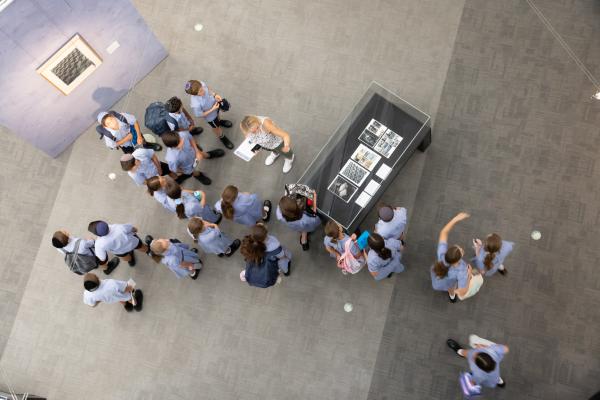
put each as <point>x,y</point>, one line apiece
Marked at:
<point>122,131</point>
<point>261,269</point>
<point>79,253</point>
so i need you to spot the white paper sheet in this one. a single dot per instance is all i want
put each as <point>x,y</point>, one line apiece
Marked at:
<point>372,187</point>
<point>383,171</point>
<point>244,150</point>
<point>363,199</point>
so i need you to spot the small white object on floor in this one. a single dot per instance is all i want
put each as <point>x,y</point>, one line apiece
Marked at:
<point>348,307</point>
<point>536,235</point>
<point>198,27</point>
<point>112,176</point>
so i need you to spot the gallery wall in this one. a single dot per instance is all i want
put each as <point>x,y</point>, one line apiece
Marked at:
<point>31,31</point>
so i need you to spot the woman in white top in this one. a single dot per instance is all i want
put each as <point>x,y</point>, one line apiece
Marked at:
<point>269,136</point>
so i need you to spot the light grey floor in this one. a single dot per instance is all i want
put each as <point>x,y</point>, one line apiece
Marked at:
<point>304,64</point>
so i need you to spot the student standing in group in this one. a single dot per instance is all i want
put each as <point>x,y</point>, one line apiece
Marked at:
<point>335,241</point>
<point>110,291</point>
<point>489,256</point>
<point>122,131</point>
<point>206,103</point>
<point>243,207</point>
<point>177,256</point>
<point>484,360</point>
<point>450,271</point>
<point>119,239</point>
<point>392,222</point>
<point>383,259</point>
<point>157,187</point>
<point>190,203</point>
<point>67,244</point>
<point>143,164</point>
<point>299,217</point>
<point>273,247</point>
<point>269,136</point>
<point>179,119</point>
<point>210,238</point>
<point>184,156</point>
<point>261,271</point>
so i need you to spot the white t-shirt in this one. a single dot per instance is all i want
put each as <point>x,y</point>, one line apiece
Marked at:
<point>120,240</point>
<point>121,132</point>
<point>109,291</point>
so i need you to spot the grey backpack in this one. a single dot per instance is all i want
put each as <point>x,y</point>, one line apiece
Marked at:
<point>80,263</point>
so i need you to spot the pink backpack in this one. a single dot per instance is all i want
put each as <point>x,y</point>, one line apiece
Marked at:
<point>347,262</point>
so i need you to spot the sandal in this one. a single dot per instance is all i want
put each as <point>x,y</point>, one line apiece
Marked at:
<point>266,210</point>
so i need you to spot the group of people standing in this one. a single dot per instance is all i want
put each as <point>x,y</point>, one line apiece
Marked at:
<point>266,258</point>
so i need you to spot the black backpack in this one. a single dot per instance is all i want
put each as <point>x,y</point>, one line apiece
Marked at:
<point>102,131</point>
<point>156,118</point>
<point>80,263</point>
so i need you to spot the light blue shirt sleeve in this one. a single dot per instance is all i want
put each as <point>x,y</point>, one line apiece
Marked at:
<point>442,248</point>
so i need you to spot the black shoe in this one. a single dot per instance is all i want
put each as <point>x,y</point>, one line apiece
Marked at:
<point>502,272</point>
<point>226,142</point>
<point>139,300</point>
<point>195,250</point>
<point>132,261</point>
<point>219,218</point>
<point>225,123</point>
<point>215,153</point>
<point>289,269</point>
<point>205,180</point>
<point>181,178</point>
<point>390,275</point>
<point>501,385</point>
<point>304,245</point>
<point>147,240</point>
<point>453,300</point>
<point>267,213</point>
<point>195,274</point>
<point>112,264</point>
<point>233,247</point>
<point>453,344</point>
<point>196,130</point>
<point>221,255</point>
<point>128,307</point>
<point>153,146</point>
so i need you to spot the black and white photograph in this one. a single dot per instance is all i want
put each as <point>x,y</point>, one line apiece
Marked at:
<point>388,143</point>
<point>376,127</point>
<point>354,172</point>
<point>369,138</point>
<point>365,157</point>
<point>342,188</point>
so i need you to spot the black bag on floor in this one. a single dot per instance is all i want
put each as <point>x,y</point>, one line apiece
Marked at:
<point>156,118</point>
<point>80,263</point>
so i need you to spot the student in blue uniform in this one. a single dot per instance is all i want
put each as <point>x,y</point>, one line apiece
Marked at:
<point>65,243</point>
<point>191,204</point>
<point>180,120</point>
<point>184,156</point>
<point>392,222</point>
<point>484,360</point>
<point>383,259</point>
<point>335,240</point>
<point>261,271</point>
<point>122,127</point>
<point>110,291</point>
<point>157,188</point>
<point>450,272</point>
<point>206,103</point>
<point>119,239</point>
<point>210,238</point>
<point>298,217</point>
<point>177,256</point>
<point>143,164</point>
<point>273,247</point>
<point>489,256</point>
<point>242,207</point>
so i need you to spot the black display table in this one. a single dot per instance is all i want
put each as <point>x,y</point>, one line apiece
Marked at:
<point>364,155</point>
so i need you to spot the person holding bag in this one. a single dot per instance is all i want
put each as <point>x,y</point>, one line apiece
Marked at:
<point>384,256</point>
<point>350,261</point>
<point>298,211</point>
<point>79,253</point>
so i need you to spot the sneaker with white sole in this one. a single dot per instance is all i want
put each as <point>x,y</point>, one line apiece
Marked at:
<point>271,158</point>
<point>287,164</point>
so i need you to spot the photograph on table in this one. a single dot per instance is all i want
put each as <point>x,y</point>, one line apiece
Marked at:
<point>376,127</point>
<point>365,157</point>
<point>388,143</point>
<point>342,188</point>
<point>354,172</point>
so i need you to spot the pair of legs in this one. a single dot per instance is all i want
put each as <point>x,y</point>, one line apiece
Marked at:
<point>130,256</point>
<point>231,249</point>
<point>474,342</point>
<point>196,173</point>
<point>136,302</point>
<point>278,151</point>
<point>217,129</point>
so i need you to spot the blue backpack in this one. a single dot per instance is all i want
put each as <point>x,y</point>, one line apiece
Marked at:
<point>156,118</point>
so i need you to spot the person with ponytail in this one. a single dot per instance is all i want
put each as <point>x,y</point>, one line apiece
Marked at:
<point>383,259</point>
<point>177,256</point>
<point>261,270</point>
<point>335,240</point>
<point>489,256</point>
<point>191,204</point>
<point>299,215</point>
<point>210,238</point>
<point>243,207</point>
<point>450,273</point>
<point>156,188</point>
<point>273,247</point>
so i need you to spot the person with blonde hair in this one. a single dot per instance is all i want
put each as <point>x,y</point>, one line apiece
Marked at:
<point>269,136</point>
<point>177,256</point>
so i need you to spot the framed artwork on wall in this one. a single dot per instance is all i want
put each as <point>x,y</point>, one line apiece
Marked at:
<point>70,65</point>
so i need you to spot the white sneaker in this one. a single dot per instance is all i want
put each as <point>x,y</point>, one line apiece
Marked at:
<point>287,164</point>
<point>271,158</point>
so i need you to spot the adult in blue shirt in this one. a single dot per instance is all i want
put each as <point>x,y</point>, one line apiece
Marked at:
<point>484,360</point>
<point>490,255</point>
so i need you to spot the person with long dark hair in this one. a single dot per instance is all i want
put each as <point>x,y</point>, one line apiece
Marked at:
<point>210,238</point>
<point>383,259</point>
<point>243,207</point>
<point>261,271</point>
<point>190,203</point>
<point>299,215</point>
<point>490,255</point>
<point>273,247</point>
